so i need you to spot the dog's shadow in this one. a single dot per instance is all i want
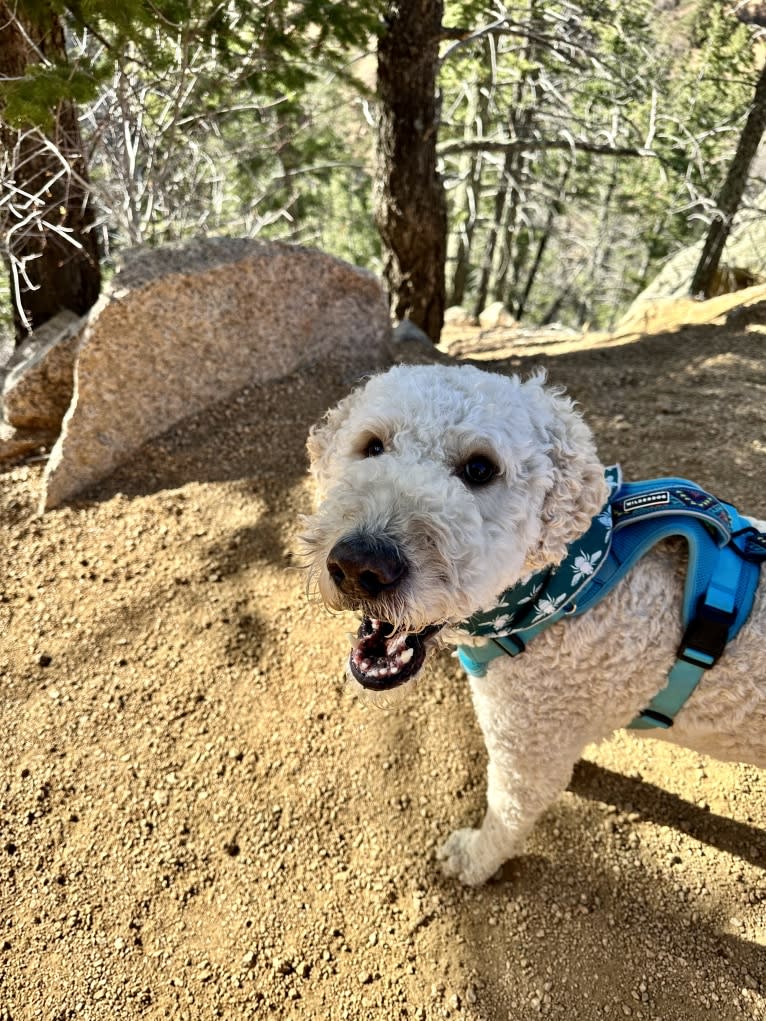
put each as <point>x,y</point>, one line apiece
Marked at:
<point>653,804</point>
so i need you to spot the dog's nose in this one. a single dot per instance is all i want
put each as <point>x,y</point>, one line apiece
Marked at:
<point>363,566</point>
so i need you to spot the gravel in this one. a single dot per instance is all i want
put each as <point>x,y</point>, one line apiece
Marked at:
<point>199,819</point>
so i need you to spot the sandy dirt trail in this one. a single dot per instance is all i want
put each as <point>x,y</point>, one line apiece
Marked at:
<point>198,819</point>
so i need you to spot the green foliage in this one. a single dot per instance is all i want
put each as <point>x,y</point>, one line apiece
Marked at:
<point>270,48</point>
<point>248,118</point>
<point>313,186</point>
<point>34,98</point>
<point>207,117</point>
<point>619,74</point>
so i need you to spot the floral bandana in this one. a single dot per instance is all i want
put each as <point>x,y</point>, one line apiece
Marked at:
<point>551,592</point>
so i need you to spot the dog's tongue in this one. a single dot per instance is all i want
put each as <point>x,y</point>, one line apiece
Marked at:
<point>382,658</point>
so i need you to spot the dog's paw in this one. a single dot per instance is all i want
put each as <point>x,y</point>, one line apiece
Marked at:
<point>459,857</point>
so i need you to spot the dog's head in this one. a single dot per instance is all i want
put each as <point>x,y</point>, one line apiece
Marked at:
<point>438,487</point>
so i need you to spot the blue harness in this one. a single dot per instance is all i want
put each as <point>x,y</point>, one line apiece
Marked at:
<point>725,554</point>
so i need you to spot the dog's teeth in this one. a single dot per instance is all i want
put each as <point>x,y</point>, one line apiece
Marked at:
<point>396,644</point>
<point>407,655</point>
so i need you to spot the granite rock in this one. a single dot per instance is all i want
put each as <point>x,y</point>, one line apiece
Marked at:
<point>39,382</point>
<point>185,326</point>
<point>495,315</point>
<point>457,315</point>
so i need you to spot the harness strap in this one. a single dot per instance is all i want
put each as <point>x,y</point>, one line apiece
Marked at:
<point>656,498</point>
<point>714,621</point>
<point>474,659</point>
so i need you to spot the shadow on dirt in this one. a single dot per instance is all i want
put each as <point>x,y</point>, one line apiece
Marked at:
<point>629,935</point>
<point>656,805</point>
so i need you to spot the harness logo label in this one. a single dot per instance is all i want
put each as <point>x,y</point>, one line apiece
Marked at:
<point>658,499</point>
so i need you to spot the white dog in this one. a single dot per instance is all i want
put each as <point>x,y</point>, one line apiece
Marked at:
<point>441,487</point>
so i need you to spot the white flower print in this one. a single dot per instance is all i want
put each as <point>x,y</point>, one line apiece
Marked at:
<point>548,605</point>
<point>584,565</point>
<point>528,599</point>
<point>613,478</point>
<point>500,623</point>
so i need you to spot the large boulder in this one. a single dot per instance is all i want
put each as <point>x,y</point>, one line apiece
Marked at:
<point>185,326</point>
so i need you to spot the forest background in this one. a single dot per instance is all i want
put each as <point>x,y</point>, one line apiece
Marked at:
<point>551,156</point>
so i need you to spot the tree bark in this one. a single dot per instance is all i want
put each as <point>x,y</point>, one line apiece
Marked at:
<point>504,185</point>
<point>464,233</point>
<point>410,205</point>
<point>555,210</point>
<point>49,272</point>
<point>601,252</point>
<point>731,192</point>
<point>515,164</point>
<point>466,199</point>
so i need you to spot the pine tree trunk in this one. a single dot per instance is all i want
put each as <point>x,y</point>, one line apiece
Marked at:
<point>731,191</point>
<point>466,199</point>
<point>410,205</point>
<point>511,251</point>
<point>555,210</point>
<point>57,273</point>
<point>601,252</point>
<point>501,196</point>
<point>508,199</point>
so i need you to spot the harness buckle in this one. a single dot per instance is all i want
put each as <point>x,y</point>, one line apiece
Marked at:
<point>656,718</point>
<point>706,635</point>
<point>511,645</point>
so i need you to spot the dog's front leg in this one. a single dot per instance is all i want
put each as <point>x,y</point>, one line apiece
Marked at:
<point>530,765</point>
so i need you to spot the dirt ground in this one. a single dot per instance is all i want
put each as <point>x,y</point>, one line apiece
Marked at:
<point>199,819</point>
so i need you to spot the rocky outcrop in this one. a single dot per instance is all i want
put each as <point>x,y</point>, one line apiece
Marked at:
<point>495,315</point>
<point>40,380</point>
<point>37,385</point>
<point>186,326</point>
<point>663,315</point>
<point>457,315</point>
<point>743,264</point>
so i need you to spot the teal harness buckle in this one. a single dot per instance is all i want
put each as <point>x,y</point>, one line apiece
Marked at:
<point>725,553</point>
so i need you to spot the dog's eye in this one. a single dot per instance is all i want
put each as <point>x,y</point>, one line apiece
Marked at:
<point>478,470</point>
<point>374,448</point>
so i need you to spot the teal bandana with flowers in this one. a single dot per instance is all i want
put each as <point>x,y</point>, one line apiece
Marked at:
<point>552,592</point>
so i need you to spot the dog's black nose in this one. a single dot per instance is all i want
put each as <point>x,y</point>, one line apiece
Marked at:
<point>363,566</point>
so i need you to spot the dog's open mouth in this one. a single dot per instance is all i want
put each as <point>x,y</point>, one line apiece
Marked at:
<point>383,658</point>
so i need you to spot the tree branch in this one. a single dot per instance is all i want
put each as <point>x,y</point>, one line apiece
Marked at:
<point>536,144</point>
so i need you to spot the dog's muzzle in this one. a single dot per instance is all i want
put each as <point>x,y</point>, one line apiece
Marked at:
<point>367,571</point>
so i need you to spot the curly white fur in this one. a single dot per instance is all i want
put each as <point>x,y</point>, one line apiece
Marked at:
<point>464,545</point>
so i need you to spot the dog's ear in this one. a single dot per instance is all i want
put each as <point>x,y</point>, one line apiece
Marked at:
<point>577,489</point>
<point>321,439</point>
